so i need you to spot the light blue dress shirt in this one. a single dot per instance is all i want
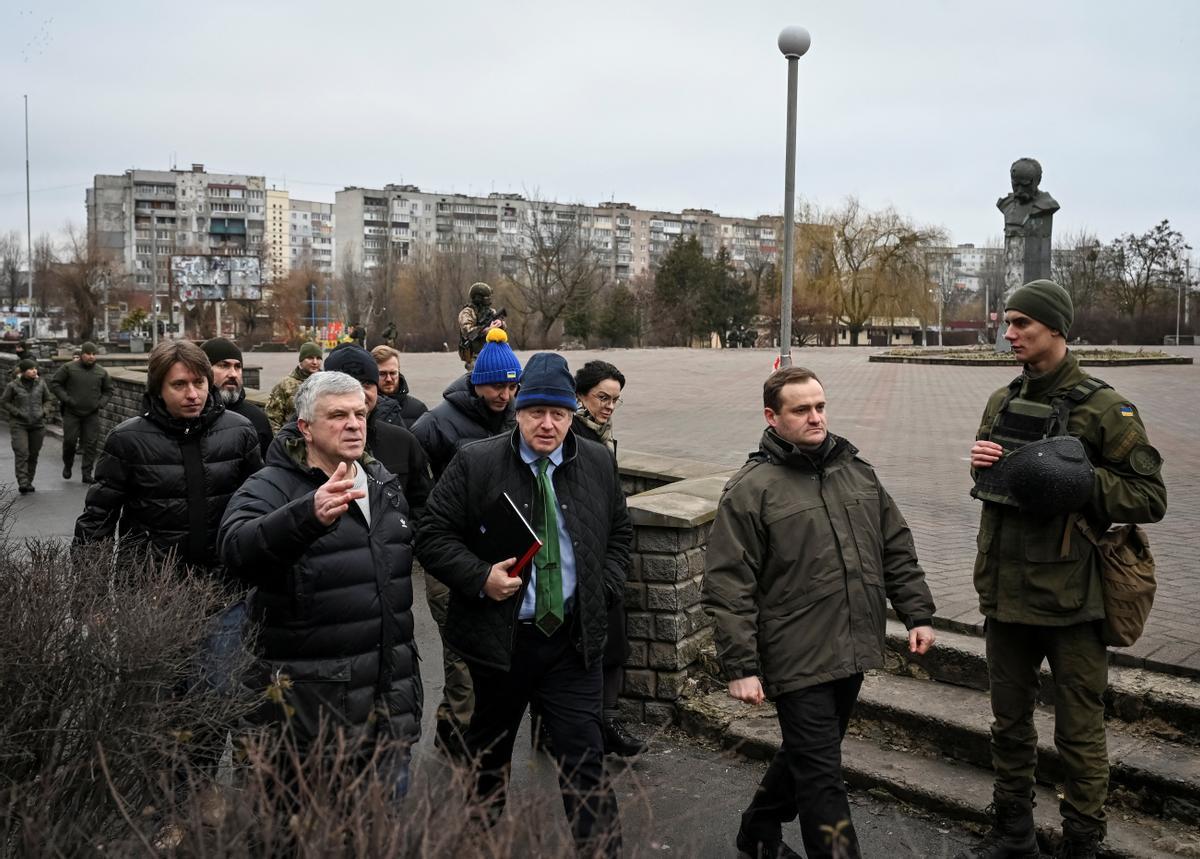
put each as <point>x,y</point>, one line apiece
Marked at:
<point>566,549</point>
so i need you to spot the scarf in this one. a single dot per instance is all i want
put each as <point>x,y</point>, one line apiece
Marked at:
<point>604,431</point>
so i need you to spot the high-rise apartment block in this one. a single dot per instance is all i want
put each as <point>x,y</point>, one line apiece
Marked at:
<point>310,235</point>
<point>147,214</point>
<point>406,222</point>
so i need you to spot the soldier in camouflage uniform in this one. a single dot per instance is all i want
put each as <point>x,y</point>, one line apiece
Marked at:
<point>474,320</point>
<point>1038,577</point>
<point>281,404</point>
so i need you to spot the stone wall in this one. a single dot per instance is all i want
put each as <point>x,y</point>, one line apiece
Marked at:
<point>666,625</point>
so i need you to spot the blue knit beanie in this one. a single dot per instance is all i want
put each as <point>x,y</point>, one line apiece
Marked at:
<point>496,363</point>
<point>547,382</point>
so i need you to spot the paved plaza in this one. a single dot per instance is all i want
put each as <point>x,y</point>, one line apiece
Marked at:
<point>914,423</point>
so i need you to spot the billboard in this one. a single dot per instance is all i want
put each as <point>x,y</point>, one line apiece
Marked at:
<point>200,277</point>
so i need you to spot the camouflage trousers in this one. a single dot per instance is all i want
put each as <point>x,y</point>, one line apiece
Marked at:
<point>1079,665</point>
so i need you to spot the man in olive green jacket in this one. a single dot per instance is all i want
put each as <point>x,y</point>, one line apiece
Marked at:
<point>27,402</point>
<point>1039,578</point>
<point>806,546</point>
<point>83,388</point>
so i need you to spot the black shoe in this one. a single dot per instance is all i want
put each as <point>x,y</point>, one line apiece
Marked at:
<point>448,739</point>
<point>24,489</point>
<point>618,741</point>
<point>66,472</point>
<point>31,488</point>
<point>748,849</point>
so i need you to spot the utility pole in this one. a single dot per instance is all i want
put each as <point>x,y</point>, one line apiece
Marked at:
<point>154,278</point>
<point>29,226</point>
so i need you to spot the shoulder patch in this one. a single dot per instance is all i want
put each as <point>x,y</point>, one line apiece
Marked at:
<point>1145,460</point>
<point>1127,410</point>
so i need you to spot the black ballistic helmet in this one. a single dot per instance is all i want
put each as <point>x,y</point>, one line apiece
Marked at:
<point>1051,476</point>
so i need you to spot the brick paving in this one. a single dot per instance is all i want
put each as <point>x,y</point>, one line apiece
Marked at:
<point>915,424</point>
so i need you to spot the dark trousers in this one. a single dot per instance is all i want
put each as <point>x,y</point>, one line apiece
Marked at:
<point>1079,664</point>
<point>805,778</point>
<point>458,698</point>
<point>84,432</point>
<point>26,445</point>
<point>548,672</point>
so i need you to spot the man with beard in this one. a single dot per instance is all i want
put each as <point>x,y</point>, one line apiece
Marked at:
<point>226,360</point>
<point>394,386</point>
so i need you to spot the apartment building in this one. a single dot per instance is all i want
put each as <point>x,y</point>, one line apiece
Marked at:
<point>311,235</point>
<point>278,235</point>
<point>405,221</point>
<point>143,215</point>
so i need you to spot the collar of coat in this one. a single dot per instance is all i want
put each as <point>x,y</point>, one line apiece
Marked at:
<point>154,408</point>
<point>1062,378</point>
<point>570,446</point>
<point>832,453</point>
<point>289,450</point>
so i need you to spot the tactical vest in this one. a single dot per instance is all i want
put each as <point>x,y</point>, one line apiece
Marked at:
<point>1019,422</point>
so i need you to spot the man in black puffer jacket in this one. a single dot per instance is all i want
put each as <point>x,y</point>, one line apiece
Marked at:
<point>165,477</point>
<point>538,636</point>
<point>323,532</point>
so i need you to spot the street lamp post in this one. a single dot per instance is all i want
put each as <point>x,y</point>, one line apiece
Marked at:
<point>793,44</point>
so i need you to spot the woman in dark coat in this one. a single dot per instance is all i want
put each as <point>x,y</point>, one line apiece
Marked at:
<point>598,387</point>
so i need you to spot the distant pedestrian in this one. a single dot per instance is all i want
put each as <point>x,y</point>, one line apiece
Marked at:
<point>394,386</point>
<point>226,360</point>
<point>83,388</point>
<point>25,399</point>
<point>805,547</point>
<point>280,406</point>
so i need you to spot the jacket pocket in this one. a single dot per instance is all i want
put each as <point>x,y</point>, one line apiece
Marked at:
<point>863,515</point>
<point>302,693</point>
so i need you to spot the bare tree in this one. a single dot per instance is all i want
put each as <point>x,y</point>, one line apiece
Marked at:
<point>78,279</point>
<point>555,268</point>
<point>12,256</point>
<point>1143,264</point>
<point>1078,264</point>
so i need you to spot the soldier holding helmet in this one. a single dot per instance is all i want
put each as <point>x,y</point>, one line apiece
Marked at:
<point>1038,577</point>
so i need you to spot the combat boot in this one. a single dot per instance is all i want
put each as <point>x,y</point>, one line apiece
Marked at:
<point>1078,842</point>
<point>1013,835</point>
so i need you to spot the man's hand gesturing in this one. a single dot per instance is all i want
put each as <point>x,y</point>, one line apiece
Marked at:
<point>334,497</point>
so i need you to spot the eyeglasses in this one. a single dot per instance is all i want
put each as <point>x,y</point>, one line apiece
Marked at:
<point>389,374</point>
<point>605,400</point>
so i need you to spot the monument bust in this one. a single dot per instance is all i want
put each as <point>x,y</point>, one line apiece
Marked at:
<point>1027,210</point>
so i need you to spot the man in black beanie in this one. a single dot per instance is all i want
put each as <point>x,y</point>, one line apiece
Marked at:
<point>1038,574</point>
<point>226,359</point>
<point>535,635</point>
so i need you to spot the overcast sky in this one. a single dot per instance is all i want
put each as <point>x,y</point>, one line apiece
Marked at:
<point>922,104</point>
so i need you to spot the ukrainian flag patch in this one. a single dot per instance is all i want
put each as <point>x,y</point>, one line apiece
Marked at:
<point>1127,411</point>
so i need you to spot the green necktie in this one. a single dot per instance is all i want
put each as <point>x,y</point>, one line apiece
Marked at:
<point>548,608</point>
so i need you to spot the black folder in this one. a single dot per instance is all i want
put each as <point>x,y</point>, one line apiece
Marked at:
<point>507,534</point>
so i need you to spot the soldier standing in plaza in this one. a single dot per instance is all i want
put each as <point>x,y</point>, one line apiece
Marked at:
<point>25,399</point>
<point>280,405</point>
<point>474,320</point>
<point>1038,576</point>
<point>84,389</point>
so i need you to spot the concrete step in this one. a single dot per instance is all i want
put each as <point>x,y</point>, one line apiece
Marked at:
<point>1149,774</point>
<point>953,789</point>
<point>1163,705</point>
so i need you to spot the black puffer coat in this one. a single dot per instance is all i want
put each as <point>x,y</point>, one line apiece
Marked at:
<point>410,407</point>
<point>400,453</point>
<point>166,481</point>
<point>388,411</point>
<point>257,418</point>
<point>589,494</point>
<point>333,604</point>
<point>460,417</point>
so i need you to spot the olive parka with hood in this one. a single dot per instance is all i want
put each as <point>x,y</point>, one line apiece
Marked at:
<point>804,550</point>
